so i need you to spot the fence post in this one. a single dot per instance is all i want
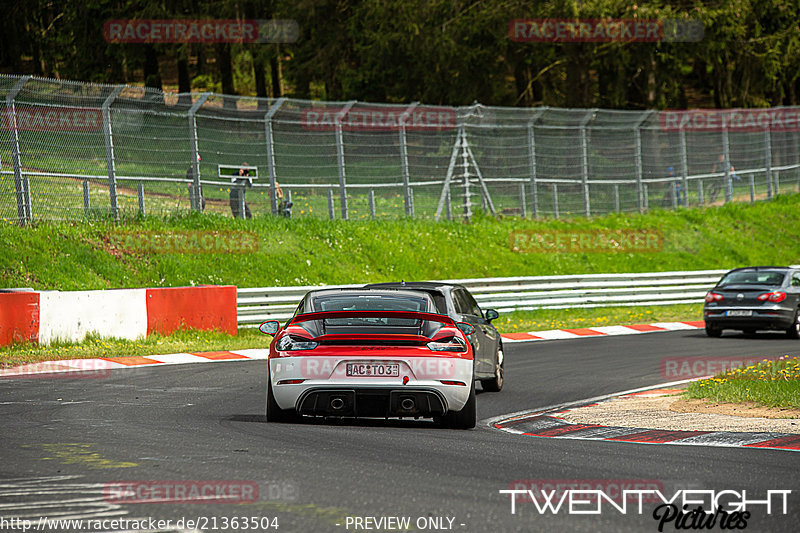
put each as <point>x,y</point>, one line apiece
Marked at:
<point>641,191</point>
<point>372,204</point>
<point>768,159</point>
<point>532,166</point>
<point>23,212</point>
<point>465,175</point>
<point>273,177</point>
<point>585,162</point>
<point>109,141</point>
<point>340,157</point>
<point>726,149</point>
<point>141,198</point>
<point>448,207</point>
<point>684,167</point>
<point>87,207</point>
<point>616,197</point>
<point>409,203</point>
<point>331,211</point>
<point>522,202</point>
<point>700,198</point>
<point>555,200</point>
<point>195,200</point>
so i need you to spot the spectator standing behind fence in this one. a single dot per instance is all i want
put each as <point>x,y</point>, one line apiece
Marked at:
<point>677,184</point>
<point>240,182</point>
<point>721,165</point>
<point>190,179</point>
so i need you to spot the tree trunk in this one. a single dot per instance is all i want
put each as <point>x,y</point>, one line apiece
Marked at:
<point>275,73</point>
<point>225,66</point>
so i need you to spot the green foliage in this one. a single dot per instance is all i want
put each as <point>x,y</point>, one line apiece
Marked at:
<point>302,251</point>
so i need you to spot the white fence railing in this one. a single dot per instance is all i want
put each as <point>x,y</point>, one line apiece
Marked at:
<point>520,293</point>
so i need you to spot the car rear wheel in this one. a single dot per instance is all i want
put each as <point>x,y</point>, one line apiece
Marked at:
<point>495,384</point>
<point>793,332</point>
<point>274,413</point>
<point>466,418</point>
<point>713,332</point>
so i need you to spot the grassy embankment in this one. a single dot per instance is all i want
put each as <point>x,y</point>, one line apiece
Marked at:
<point>306,251</point>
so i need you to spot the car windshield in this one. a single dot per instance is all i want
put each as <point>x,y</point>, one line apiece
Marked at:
<point>753,277</point>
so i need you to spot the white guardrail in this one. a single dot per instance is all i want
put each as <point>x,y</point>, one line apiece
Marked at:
<point>520,293</point>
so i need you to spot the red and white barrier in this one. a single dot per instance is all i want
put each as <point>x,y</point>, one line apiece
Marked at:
<point>49,316</point>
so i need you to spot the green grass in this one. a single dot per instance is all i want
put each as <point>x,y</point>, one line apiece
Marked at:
<point>768,383</point>
<point>78,255</point>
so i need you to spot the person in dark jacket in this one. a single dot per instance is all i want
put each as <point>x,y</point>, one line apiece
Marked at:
<point>240,182</point>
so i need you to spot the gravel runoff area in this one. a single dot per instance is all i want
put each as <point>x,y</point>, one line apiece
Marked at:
<point>668,410</point>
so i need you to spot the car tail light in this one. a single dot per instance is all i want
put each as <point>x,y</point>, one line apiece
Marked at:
<point>447,382</point>
<point>713,297</point>
<point>453,344</point>
<point>775,297</point>
<point>289,343</point>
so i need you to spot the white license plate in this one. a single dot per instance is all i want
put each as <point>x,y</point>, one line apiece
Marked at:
<point>738,313</point>
<point>373,370</point>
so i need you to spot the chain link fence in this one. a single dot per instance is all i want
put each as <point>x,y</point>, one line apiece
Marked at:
<point>72,151</point>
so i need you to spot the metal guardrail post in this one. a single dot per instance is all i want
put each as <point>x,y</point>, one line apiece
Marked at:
<point>726,153</point>
<point>532,171</point>
<point>340,157</point>
<point>23,213</point>
<point>409,203</point>
<point>555,200</point>
<point>109,141</point>
<point>585,162</point>
<point>684,167</point>
<point>87,207</point>
<point>273,176</point>
<point>641,191</point>
<point>195,198</point>
<point>768,159</point>
<point>140,190</point>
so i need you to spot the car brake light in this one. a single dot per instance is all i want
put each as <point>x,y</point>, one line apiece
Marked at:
<point>713,297</point>
<point>447,382</point>
<point>775,297</point>
<point>290,381</point>
<point>454,344</point>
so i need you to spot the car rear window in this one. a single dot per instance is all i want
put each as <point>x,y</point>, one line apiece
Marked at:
<point>753,277</point>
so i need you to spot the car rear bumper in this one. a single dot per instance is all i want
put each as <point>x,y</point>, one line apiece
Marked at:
<point>760,319</point>
<point>372,402</point>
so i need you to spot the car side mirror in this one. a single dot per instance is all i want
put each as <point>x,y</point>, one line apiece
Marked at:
<point>466,328</point>
<point>491,314</point>
<point>270,327</point>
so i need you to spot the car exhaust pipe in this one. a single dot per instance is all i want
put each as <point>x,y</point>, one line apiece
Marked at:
<point>337,403</point>
<point>407,404</point>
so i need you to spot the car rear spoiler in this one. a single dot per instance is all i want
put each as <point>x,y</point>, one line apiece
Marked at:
<point>467,329</point>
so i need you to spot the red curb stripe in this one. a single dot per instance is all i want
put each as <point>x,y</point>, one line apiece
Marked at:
<point>789,442</point>
<point>695,323</point>
<point>220,356</point>
<point>132,360</point>
<point>645,327</point>
<point>658,436</point>
<point>584,332</point>
<point>562,430</point>
<point>520,336</point>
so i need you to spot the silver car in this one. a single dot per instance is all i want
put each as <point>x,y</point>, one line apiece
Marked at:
<point>754,298</point>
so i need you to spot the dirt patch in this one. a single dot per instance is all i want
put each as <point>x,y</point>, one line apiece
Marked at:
<point>746,409</point>
<point>657,413</point>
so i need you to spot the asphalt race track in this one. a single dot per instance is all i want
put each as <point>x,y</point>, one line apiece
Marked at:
<point>64,439</point>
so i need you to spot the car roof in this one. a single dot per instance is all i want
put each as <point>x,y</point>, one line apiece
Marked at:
<point>365,291</point>
<point>421,285</point>
<point>762,268</point>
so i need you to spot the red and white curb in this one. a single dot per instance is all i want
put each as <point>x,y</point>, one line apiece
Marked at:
<point>98,366</point>
<point>546,424</point>
<point>601,331</point>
